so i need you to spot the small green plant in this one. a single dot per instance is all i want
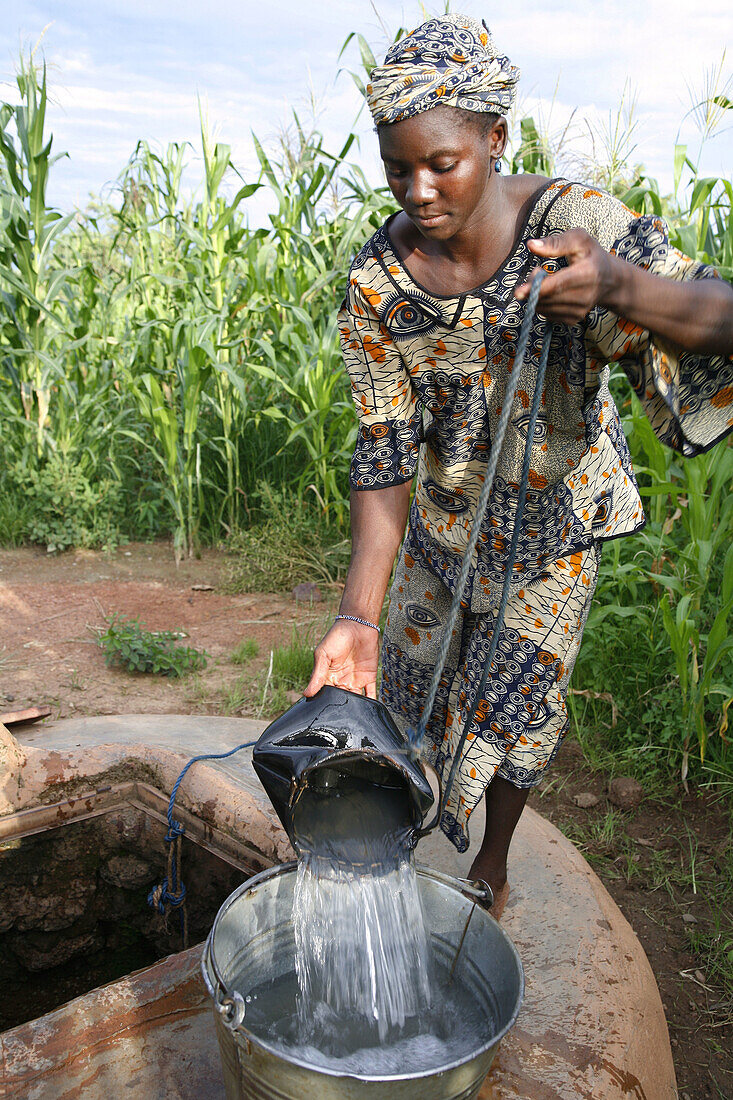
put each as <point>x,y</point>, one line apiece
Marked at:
<point>128,645</point>
<point>66,507</point>
<point>245,652</point>
<point>292,664</point>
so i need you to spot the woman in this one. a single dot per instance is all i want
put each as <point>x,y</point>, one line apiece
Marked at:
<point>429,329</point>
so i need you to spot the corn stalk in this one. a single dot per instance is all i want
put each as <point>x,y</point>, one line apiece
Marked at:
<point>35,293</point>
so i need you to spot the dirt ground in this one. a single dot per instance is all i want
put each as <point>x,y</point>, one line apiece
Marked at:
<point>658,861</point>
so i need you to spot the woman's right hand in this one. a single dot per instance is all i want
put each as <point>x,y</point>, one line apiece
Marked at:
<point>349,653</point>
<point>346,657</point>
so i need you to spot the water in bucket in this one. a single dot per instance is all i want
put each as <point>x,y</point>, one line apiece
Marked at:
<point>249,969</point>
<point>442,1033</point>
<point>365,991</point>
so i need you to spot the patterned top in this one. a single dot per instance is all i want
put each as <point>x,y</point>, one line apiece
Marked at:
<point>432,370</point>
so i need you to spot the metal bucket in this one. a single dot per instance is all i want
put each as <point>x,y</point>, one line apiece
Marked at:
<point>253,934</point>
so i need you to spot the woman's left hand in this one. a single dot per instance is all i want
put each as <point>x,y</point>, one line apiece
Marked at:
<point>568,295</point>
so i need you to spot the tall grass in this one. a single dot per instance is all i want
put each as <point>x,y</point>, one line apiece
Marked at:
<point>163,342</point>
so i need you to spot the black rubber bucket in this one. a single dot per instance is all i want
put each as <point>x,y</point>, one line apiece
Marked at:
<point>335,740</point>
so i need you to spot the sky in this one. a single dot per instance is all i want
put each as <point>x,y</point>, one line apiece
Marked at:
<point>119,73</point>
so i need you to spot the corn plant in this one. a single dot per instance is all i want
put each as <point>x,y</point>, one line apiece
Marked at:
<point>35,291</point>
<point>699,659</point>
<point>321,414</point>
<point>296,277</point>
<point>215,269</point>
<point>683,553</point>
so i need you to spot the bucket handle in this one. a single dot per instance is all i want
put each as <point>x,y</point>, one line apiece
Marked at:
<point>230,1006</point>
<point>475,888</point>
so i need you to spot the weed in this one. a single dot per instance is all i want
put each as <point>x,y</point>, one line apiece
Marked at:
<point>555,783</point>
<point>295,541</point>
<point>128,645</point>
<point>198,693</point>
<point>238,696</point>
<point>713,943</point>
<point>277,702</point>
<point>65,507</point>
<point>292,664</point>
<point>245,652</point>
<point>75,682</point>
<point>607,830</point>
<point>665,872</point>
<point>268,692</point>
<point>16,514</point>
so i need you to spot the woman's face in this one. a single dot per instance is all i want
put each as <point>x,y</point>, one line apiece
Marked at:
<point>438,167</point>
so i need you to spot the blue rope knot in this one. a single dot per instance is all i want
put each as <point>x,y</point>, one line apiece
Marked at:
<point>162,898</point>
<point>176,829</point>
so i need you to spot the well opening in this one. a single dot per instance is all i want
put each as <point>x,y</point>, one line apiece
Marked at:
<point>76,878</point>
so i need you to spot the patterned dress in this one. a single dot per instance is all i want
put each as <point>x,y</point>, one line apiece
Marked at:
<point>428,375</point>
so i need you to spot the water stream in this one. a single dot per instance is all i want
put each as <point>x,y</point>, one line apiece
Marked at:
<point>361,945</point>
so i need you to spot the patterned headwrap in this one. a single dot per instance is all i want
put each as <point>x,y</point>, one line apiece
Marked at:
<point>449,61</point>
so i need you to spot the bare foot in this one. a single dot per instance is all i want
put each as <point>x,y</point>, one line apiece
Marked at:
<point>501,896</point>
<point>497,880</point>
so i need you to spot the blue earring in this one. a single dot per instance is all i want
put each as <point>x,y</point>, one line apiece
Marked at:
<point>497,164</point>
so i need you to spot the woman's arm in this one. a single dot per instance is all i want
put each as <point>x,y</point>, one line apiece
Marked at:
<point>696,315</point>
<point>349,653</point>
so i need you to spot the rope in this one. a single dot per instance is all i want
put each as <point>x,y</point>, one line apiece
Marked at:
<point>416,735</point>
<point>506,588</point>
<point>171,893</point>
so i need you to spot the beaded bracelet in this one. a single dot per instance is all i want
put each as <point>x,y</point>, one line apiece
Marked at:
<point>356,619</point>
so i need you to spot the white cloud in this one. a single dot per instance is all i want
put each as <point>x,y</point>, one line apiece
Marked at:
<point>121,74</point>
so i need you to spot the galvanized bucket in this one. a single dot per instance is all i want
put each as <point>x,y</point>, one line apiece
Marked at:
<point>253,934</point>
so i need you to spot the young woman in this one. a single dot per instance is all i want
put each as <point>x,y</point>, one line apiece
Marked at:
<point>429,328</point>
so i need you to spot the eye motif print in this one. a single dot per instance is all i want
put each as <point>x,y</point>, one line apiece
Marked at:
<point>521,423</point>
<point>421,617</point>
<point>449,502</point>
<point>603,503</point>
<point>407,317</point>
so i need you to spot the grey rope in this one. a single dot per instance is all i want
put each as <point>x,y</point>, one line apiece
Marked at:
<point>506,587</point>
<point>416,735</point>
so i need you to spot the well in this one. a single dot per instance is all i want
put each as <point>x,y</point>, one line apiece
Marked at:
<point>76,875</point>
<point>592,1023</point>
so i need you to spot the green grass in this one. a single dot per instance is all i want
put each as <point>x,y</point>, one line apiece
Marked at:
<point>245,652</point>
<point>713,947</point>
<point>267,692</point>
<point>712,941</point>
<point>238,696</point>
<point>296,541</point>
<point>292,664</point>
<point>16,516</point>
<point>683,867</point>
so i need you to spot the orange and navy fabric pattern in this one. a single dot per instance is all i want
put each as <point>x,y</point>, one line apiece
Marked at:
<point>429,373</point>
<point>449,61</point>
<point>522,717</point>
